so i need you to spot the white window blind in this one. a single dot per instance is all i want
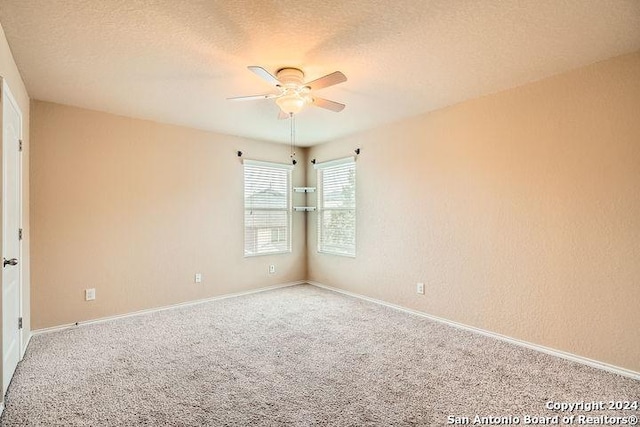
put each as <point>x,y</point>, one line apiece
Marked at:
<point>267,208</point>
<point>337,207</point>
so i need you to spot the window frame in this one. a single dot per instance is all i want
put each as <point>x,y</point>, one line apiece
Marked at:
<point>321,169</point>
<point>288,210</point>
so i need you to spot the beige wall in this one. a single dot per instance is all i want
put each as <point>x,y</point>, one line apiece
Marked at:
<point>520,212</point>
<point>10,73</point>
<point>134,209</point>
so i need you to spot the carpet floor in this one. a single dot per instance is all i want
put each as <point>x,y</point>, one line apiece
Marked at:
<point>300,356</point>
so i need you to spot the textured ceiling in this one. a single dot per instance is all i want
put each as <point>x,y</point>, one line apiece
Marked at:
<point>176,61</point>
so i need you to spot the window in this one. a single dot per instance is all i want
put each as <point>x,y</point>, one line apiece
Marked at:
<point>337,207</point>
<point>267,208</point>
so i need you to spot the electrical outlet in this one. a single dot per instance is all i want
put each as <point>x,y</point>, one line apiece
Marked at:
<point>272,269</point>
<point>89,294</point>
<point>420,288</point>
<point>198,278</point>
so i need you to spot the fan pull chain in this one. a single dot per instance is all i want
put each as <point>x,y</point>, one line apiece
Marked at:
<point>292,146</point>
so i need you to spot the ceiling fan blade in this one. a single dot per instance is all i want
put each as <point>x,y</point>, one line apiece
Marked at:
<point>283,115</point>
<point>326,81</point>
<point>329,105</point>
<point>252,97</point>
<point>265,75</point>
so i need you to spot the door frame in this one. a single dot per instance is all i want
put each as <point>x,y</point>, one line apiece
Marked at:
<point>7,94</point>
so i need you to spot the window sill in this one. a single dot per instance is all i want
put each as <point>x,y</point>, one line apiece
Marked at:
<point>267,253</point>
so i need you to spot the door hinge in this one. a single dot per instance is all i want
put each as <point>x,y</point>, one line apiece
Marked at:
<point>20,145</point>
<point>20,234</point>
<point>19,322</point>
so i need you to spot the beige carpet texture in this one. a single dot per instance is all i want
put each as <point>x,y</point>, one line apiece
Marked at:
<point>296,356</point>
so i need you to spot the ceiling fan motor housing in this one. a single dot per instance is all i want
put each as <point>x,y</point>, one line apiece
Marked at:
<point>290,77</point>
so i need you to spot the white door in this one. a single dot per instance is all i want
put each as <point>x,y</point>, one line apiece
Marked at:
<point>11,134</point>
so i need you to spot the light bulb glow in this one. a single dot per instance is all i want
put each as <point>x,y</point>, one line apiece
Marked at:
<point>290,103</point>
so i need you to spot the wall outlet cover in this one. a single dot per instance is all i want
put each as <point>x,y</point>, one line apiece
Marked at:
<point>420,288</point>
<point>272,269</point>
<point>89,294</point>
<point>198,278</point>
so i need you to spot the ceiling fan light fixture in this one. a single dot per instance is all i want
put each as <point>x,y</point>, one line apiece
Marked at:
<point>291,103</point>
<point>293,94</point>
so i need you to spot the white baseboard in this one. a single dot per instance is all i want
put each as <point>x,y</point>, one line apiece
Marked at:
<point>166,307</point>
<point>558,353</point>
<point>24,347</point>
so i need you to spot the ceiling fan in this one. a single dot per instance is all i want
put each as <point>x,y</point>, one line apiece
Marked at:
<point>293,94</point>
